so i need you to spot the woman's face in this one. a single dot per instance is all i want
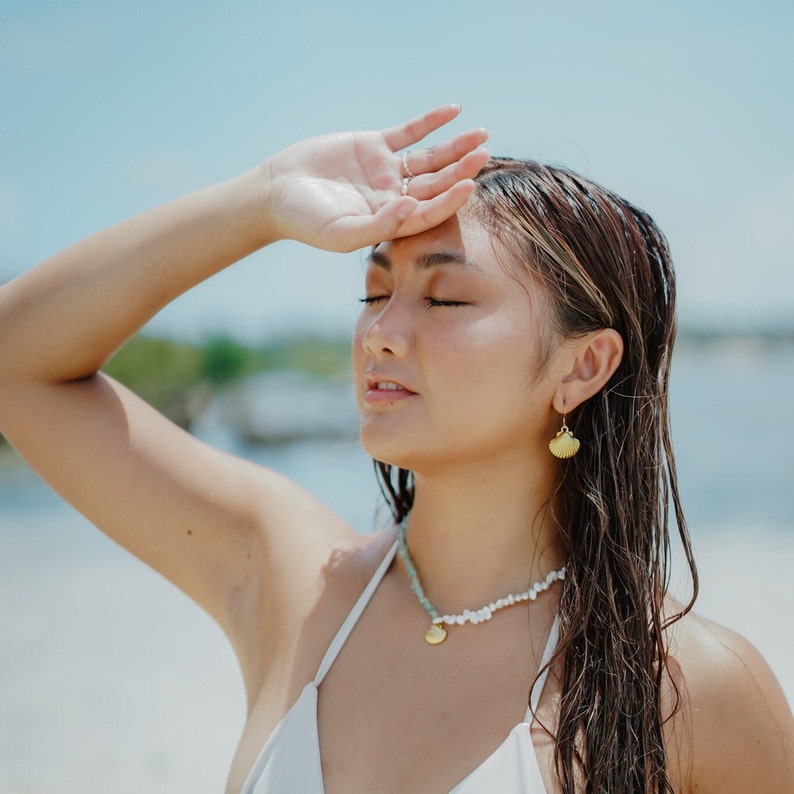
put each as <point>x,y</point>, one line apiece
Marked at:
<point>446,354</point>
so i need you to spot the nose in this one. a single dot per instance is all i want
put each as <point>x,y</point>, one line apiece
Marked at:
<point>388,334</point>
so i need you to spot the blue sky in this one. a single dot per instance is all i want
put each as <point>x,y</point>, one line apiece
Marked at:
<point>685,108</point>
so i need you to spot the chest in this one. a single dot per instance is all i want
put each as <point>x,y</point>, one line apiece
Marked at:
<point>396,714</point>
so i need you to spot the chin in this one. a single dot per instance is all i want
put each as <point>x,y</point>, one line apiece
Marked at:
<point>417,454</point>
<point>434,454</point>
<point>387,451</point>
<point>406,451</point>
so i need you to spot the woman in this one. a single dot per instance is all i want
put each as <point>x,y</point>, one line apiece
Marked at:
<point>498,313</point>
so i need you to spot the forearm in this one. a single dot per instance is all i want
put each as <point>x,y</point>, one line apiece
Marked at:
<point>62,320</point>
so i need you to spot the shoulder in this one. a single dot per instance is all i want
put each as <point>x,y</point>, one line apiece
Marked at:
<point>734,729</point>
<point>303,564</point>
<point>316,598</point>
<point>317,567</point>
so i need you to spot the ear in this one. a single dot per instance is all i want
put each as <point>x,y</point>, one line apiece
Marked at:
<point>586,366</point>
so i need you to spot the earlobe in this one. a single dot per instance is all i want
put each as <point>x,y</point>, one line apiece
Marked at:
<point>595,359</point>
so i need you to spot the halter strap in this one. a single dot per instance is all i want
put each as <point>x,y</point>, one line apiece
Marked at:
<point>353,616</point>
<point>537,689</point>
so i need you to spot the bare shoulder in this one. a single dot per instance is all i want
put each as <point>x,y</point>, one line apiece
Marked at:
<point>317,586</point>
<point>306,556</point>
<point>734,729</point>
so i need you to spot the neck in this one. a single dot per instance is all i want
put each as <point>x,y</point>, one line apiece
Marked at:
<point>480,532</point>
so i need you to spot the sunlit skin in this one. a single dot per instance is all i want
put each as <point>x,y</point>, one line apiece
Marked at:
<point>448,325</point>
<point>452,327</point>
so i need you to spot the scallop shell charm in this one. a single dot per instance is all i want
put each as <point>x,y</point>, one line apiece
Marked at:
<point>435,634</point>
<point>564,444</point>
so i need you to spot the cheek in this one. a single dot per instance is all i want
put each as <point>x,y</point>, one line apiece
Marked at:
<point>492,368</point>
<point>496,349</point>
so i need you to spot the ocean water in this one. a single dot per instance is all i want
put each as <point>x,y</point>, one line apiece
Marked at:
<point>112,681</point>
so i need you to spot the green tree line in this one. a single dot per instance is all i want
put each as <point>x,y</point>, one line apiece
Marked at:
<point>180,378</point>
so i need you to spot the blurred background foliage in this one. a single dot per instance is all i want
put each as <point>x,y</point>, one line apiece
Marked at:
<point>180,378</point>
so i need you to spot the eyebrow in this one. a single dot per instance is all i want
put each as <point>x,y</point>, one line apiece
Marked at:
<point>427,261</point>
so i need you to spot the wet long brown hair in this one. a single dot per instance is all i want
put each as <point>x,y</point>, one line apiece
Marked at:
<point>603,264</point>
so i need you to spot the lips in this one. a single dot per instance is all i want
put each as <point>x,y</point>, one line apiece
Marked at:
<point>382,389</point>
<point>381,382</point>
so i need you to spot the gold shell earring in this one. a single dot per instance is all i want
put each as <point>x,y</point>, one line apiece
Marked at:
<point>564,444</point>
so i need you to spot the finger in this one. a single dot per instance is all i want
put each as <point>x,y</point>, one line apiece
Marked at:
<point>423,161</point>
<point>413,131</point>
<point>385,224</point>
<point>430,185</point>
<point>429,214</point>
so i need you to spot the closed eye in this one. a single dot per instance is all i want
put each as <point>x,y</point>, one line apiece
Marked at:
<point>373,299</point>
<point>436,302</point>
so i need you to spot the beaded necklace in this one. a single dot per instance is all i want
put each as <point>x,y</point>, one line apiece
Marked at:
<point>437,633</point>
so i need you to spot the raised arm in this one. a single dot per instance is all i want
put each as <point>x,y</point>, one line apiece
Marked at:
<point>64,319</point>
<point>221,529</point>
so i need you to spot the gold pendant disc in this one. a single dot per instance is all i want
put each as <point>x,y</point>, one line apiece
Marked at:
<point>435,634</point>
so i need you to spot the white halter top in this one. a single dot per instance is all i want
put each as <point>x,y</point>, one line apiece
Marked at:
<point>289,763</point>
